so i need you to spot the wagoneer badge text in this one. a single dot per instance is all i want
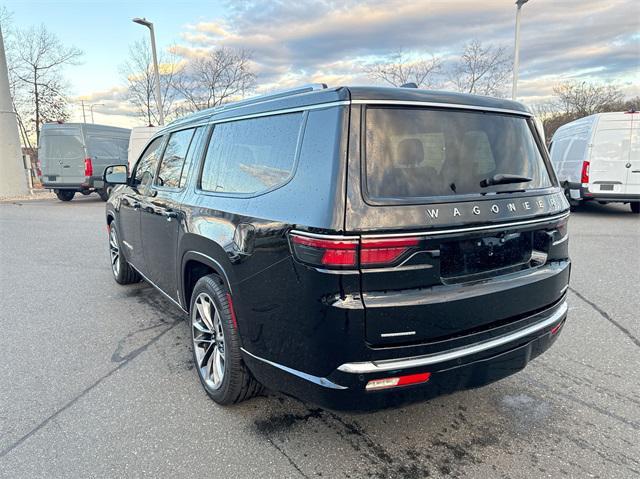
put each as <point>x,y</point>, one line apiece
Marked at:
<point>511,207</point>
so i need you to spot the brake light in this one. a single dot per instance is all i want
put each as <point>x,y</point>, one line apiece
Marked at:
<point>88,167</point>
<point>350,252</point>
<point>397,381</point>
<point>330,252</point>
<point>39,168</point>
<point>584,177</point>
<point>381,252</point>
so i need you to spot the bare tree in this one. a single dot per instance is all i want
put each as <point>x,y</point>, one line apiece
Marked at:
<point>139,74</point>
<point>220,76</point>
<point>401,69</point>
<point>482,70</point>
<point>583,99</point>
<point>38,58</point>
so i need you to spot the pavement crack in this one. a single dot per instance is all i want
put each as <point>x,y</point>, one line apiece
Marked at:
<point>291,461</point>
<point>606,316</point>
<point>84,392</point>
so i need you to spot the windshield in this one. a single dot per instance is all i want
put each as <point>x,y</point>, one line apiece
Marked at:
<point>418,153</point>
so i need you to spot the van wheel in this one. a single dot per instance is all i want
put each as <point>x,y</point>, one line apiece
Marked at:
<point>103,194</point>
<point>216,345</point>
<point>65,195</point>
<point>123,273</point>
<point>635,207</point>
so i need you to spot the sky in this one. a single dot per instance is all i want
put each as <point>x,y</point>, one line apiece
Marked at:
<point>302,41</point>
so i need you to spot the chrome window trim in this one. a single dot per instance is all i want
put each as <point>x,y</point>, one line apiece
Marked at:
<point>324,382</point>
<point>405,363</point>
<point>442,105</point>
<point>213,121</point>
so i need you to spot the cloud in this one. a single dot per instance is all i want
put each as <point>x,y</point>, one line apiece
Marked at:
<point>314,39</point>
<point>331,41</point>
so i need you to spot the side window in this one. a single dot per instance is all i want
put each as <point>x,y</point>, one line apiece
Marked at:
<point>250,156</point>
<point>173,159</point>
<point>194,149</point>
<point>146,166</point>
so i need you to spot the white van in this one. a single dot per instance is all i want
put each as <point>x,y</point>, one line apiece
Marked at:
<point>598,158</point>
<point>72,157</point>
<point>140,135</point>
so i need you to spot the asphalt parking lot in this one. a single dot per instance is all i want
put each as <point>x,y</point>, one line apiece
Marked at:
<point>96,379</point>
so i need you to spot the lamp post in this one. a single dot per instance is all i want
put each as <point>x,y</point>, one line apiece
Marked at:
<point>516,50</point>
<point>91,109</point>
<point>149,25</point>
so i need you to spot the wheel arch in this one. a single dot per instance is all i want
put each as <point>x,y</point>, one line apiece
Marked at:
<point>195,265</point>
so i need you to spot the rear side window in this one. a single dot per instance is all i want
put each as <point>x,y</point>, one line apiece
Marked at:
<point>173,159</point>
<point>251,156</point>
<point>422,153</point>
<point>62,146</point>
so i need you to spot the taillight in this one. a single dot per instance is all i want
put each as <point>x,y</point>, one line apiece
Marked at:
<point>397,381</point>
<point>88,167</point>
<point>342,252</point>
<point>349,253</point>
<point>39,168</point>
<point>584,177</point>
<point>374,252</point>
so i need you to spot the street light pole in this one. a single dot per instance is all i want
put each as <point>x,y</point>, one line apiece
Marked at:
<point>516,50</point>
<point>149,25</point>
<point>91,109</point>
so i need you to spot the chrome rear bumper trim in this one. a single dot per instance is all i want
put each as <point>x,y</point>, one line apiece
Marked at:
<point>309,377</point>
<point>404,363</point>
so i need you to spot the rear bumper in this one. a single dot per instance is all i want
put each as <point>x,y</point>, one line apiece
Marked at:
<point>577,191</point>
<point>467,367</point>
<point>88,184</point>
<point>622,198</point>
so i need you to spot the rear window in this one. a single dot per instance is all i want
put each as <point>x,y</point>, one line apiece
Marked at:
<point>62,146</point>
<point>251,156</point>
<point>424,153</point>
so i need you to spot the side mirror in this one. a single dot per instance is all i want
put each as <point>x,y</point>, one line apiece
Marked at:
<point>116,174</point>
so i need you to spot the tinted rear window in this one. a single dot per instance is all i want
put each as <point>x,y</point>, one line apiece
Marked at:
<point>423,153</point>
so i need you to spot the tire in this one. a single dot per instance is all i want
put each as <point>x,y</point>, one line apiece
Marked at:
<point>122,271</point>
<point>65,195</point>
<point>103,194</point>
<point>635,207</point>
<point>215,344</point>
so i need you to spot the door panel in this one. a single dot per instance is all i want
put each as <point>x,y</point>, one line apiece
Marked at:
<point>160,218</point>
<point>609,156</point>
<point>633,170</point>
<point>129,217</point>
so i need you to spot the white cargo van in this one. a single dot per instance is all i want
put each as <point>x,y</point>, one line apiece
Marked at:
<point>598,158</point>
<point>73,157</point>
<point>140,135</point>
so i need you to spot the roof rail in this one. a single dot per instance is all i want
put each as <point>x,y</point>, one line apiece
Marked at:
<point>253,100</point>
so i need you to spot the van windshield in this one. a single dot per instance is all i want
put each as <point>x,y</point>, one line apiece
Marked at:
<point>424,153</point>
<point>61,146</point>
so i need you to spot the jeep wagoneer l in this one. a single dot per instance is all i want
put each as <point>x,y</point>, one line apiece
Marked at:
<point>355,247</point>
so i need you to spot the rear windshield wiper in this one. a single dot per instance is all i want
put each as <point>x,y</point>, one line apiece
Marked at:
<point>504,179</point>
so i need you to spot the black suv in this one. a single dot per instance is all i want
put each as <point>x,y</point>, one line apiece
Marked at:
<point>355,247</point>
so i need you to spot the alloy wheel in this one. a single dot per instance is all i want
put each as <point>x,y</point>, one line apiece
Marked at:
<point>114,251</point>
<point>208,341</point>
